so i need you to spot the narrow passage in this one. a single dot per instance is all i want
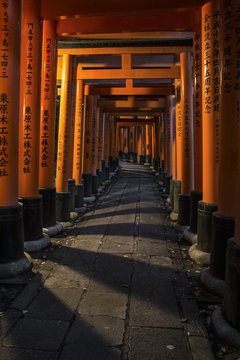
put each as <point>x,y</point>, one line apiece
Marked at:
<point>108,287</point>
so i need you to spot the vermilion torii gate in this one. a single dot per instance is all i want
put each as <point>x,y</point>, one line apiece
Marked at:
<point>207,167</point>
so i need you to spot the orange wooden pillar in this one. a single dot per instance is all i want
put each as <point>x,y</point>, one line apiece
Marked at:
<point>153,145</point>
<point>78,144</point>
<point>210,122</point>
<point>173,151</point>
<point>196,194</point>
<point>112,144</point>
<point>121,142</point>
<point>47,123</point>
<point>161,151</point>
<point>148,145</point>
<point>100,160</point>
<point>29,126</point>
<point>125,142</point>
<point>63,195</point>
<point>144,143</point>
<point>13,261</point>
<point>223,220</point>
<point>94,148</point>
<point>187,140</point>
<point>229,204</point>
<point>157,136</point>
<point>89,157</point>
<point>140,155</point>
<point>131,143</point>
<point>135,143</point>
<point>106,146</point>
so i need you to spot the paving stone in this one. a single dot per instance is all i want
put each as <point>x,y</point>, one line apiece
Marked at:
<point>200,348</point>
<point>104,303</point>
<point>90,352</point>
<point>57,303</point>
<point>63,276</point>
<point>76,257</point>
<point>96,330</point>
<point>151,344</point>
<point>152,247</point>
<point>37,334</point>
<point>7,320</point>
<point>153,302</point>
<point>19,354</point>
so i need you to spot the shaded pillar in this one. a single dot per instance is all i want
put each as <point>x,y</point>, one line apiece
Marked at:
<point>140,158</point>
<point>131,143</point>
<point>148,144</point>
<point>187,140</point>
<point>13,261</point>
<point>78,144</point>
<point>63,195</point>
<point>100,148</point>
<point>210,122</point>
<point>106,145</point>
<point>173,151</point>
<point>196,194</point>
<point>223,219</point>
<point>47,123</point>
<point>168,135</point>
<point>125,142</point>
<point>94,147</point>
<point>29,126</point>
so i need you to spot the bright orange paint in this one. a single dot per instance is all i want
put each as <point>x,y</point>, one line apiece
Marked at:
<point>72,122</point>
<point>94,137</point>
<point>178,115</point>
<point>140,140</point>
<point>210,105</point>
<point>100,140</point>
<point>148,140</point>
<point>174,155</point>
<point>64,127</point>
<point>29,101</point>
<point>48,104</point>
<point>88,115</point>
<point>187,124</point>
<point>106,139</point>
<point>125,141</point>
<point>78,133</point>
<point>9,95</point>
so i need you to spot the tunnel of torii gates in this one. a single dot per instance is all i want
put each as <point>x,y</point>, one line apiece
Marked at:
<point>178,114</point>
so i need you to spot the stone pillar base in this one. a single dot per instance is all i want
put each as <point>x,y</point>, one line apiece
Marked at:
<point>94,184</point>
<point>212,284</point>
<point>205,212</point>
<point>222,230</point>
<point>14,268</point>
<point>177,192</point>
<point>87,184</point>
<point>37,245</point>
<point>224,330</point>
<point>71,189</point>
<point>79,192</point>
<point>171,192</point>
<point>196,196</point>
<point>190,236</point>
<point>48,206</point>
<point>183,209</point>
<point>200,257</point>
<point>106,177</point>
<point>63,206</point>
<point>168,180</point>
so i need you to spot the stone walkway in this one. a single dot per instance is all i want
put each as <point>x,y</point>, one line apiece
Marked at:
<point>112,286</point>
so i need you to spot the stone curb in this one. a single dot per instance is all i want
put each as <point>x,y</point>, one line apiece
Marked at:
<point>89,199</point>
<point>53,230</point>
<point>190,236</point>
<point>211,283</point>
<point>200,257</point>
<point>37,245</point>
<point>16,268</point>
<point>224,330</point>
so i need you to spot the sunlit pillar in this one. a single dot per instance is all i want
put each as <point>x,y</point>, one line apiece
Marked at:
<point>63,195</point>
<point>13,261</point>
<point>47,123</point>
<point>29,126</point>
<point>71,180</point>
<point>210,121</point>
<point>78,144</point>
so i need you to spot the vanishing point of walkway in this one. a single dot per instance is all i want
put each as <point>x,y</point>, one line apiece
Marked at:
<point>111,287</point>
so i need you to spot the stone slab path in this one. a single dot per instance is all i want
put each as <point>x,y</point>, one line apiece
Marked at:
<point>112,286</point>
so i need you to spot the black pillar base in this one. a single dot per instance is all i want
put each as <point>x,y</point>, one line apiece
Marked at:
<point>79,190</point>
<point>196,196</point>
<point>94,184</point>
<point>205,212</point>
<point>177,192</point>
<point>103,169</point>
<point>63,206</point>
<point>232,281</point>
<point>131,157</point>
<point>183,209</point>
<point>164,179</point>
<point>168,179</point>
<point>171,192</point>
<point>120,154</point>
<point>32,217</point>
<point>11,230</point>
<point>106,177</point>
<point>48,206</point>
<point>100,177</point>
<point>160,176</point>
<point>135,157</point>
<point>222,230</point>
<point>87,184</point>
<point>71,189</point>
<point>157,165</point>
<point>128,156</point>
<point>148,159</point>
<point>153,163</point>
<point>140,159</point>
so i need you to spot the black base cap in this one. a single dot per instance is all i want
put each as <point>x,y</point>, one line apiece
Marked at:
<point>94,184</point>
<point>171,192</point>
<point>71,189</point>
<point>100,177</point>
<point>87,184</point>
<point>183,209</point>
<point>48,206</point>
<point>32,217</point>
<point>196,196</point>
<point>232,281</point>
<point>177,192</point>
<point>205,212</point>
<point>222,230</point>
<point>168,179</point>
<point>11,230</point>
<point>79,190</point>
<point>63,206</point>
